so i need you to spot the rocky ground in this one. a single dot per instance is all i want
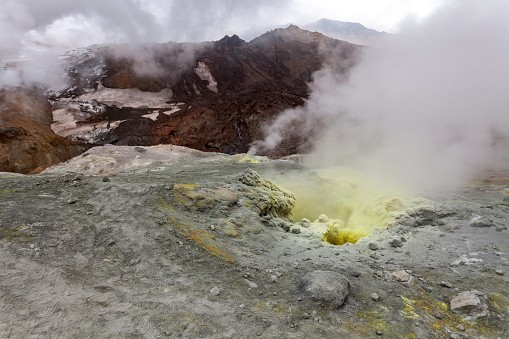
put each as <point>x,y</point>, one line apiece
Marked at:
<point>163,241</point>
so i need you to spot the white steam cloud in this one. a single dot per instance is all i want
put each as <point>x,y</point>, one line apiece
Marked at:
<point>429,107</point>
<point>34,28</point>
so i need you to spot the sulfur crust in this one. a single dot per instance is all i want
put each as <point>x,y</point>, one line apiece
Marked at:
<point>353,206</point>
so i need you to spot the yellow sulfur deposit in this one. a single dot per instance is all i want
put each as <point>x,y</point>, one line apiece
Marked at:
<point>345,206</point>
<point>250,159</point>
<point>340,236</point>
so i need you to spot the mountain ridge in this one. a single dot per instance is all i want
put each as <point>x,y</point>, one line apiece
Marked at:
<point>353,32</point>
<point>214,96</point>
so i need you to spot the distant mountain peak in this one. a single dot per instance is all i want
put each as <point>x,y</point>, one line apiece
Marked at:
<point>234,40</point>
<point>353,32</point>
<point>292,32</point>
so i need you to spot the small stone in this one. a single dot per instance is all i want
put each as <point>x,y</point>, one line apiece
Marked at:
<point>375,297</point>
<point>373,246</point>
<point>72,201</point>
<point>216,290</point>
<point>481,222</point>
<point>212,227</point>
<point>395,242</point>
<point>446,284</point>
<point>378,332</point>
<point>111,242</point>
<point>105,179</point>
<point>403,277</point>
<point>437,315</point>
<point>251,284</point>
<point>295,230</point>
<point>305,223</point>
<point>374,255</point>
<point>460,328</point>
<point>356,274</point>
<point>306,316</point>
<point>499,272</point>
<point>242,306</point>
<point>427,289</point>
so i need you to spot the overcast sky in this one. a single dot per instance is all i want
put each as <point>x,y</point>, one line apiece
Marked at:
<point>65,24</point>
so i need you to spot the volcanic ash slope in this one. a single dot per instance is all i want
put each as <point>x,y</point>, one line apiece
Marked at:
<point>167,241</point>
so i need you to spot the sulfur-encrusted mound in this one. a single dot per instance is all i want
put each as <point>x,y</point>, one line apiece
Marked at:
<point>270,199</point>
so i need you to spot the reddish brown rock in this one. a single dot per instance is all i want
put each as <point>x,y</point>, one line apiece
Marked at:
<point>27,143</point>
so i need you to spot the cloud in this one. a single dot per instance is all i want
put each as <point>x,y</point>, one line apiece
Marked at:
<point>66,24</point>
<point>428,108</point>
<point>45,28</point>
<point>15,19</point>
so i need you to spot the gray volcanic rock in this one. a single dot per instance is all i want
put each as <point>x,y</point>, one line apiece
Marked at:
<point>472,304</point>
<point>327,286</point>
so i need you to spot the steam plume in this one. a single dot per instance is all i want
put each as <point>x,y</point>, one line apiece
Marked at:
<point>428,107</point>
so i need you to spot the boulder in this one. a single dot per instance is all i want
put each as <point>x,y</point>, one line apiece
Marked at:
<point>326,286</point>
<point>471,303</point>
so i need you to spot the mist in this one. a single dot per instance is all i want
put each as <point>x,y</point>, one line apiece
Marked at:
<point>64,24</point>
<point>427,108</point>
<point>44,29</point>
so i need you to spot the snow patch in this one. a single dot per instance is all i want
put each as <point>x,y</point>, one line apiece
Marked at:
<point>196,90</point>
<point>129,97</point>
<point>203,72</point>
<point>175,108</point>
<point>151,116</point>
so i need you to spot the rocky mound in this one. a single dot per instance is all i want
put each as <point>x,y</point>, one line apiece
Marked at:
<point>27,143</point>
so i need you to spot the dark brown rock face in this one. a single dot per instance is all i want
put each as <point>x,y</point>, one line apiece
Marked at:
<point>230,89</point>
<point>27,143</point>
<point>223,123</point>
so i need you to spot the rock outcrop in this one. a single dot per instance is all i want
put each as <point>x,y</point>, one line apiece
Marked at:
<point>27,143</point>
<point>220,94</point>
